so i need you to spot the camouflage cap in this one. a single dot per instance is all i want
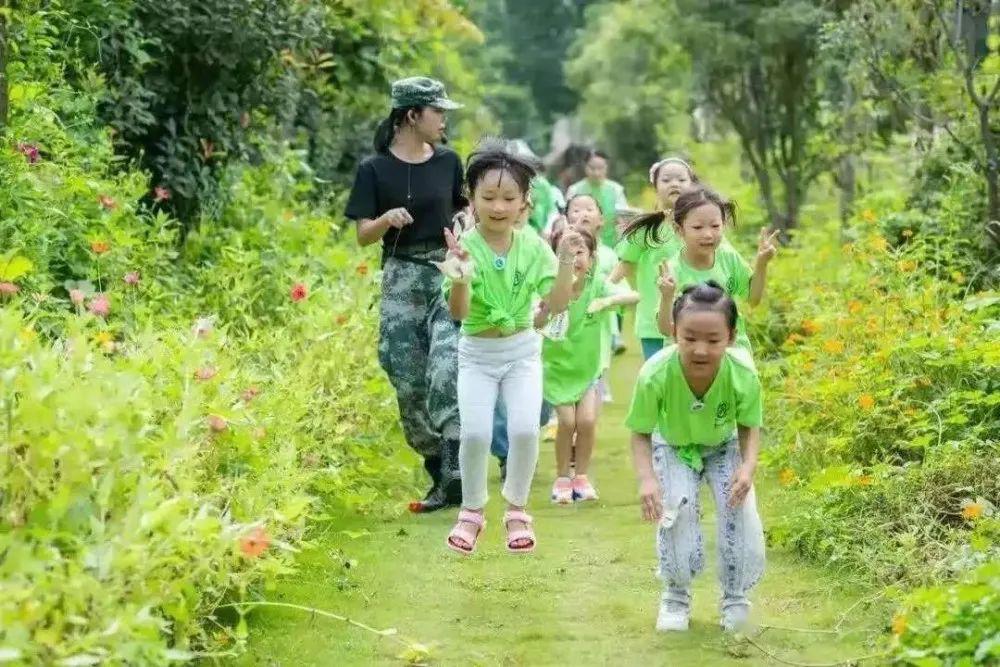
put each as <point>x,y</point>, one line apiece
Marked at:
<point>421,91</point>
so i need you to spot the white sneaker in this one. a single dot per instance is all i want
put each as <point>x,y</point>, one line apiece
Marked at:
<point>735,617</point>
<point>673,617</point>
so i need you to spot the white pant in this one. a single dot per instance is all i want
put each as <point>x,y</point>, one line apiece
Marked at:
<point>512,368</point>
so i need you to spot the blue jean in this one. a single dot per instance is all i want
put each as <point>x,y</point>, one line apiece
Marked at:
<point>500,444</point>
<point>651,346</point>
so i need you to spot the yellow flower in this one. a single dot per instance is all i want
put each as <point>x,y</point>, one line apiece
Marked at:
<point>786,477</point>
<point>103,338</point>
<point>958,277</point>
<point>906,265</point>
<point>833,346</point>
<point>972,510</point>
<point>868,215</point>
<point>879,243</point>
<point>866,401</point>
<point>898,624</point>
<point>810,326</point>
<point>854,306</point>
<point>28,334</point>
<point>907,233</point>
<point>865,480</point>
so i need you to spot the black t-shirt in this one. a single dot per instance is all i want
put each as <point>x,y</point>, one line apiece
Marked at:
<point>431,191</point>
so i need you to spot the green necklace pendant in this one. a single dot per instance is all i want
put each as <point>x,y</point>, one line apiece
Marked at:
<point>499,263</point>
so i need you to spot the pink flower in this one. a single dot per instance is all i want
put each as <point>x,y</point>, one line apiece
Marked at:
<point>250,393</point>
<point>108,203</point>
<point>205,373</point>
<point>100,305</point>
<point>8,289</point>
<point>217,424</point>
<point>160,193</point>
<point>299,292</point>
<point>131,278</point>
<point>76,296</point>
<point>30,152</point>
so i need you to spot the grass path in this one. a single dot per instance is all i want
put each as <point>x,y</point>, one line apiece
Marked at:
<point>587,597</point>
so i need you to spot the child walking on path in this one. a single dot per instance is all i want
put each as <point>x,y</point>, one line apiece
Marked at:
<point>648,241</point>
<point>705,398</point>
<point>573,363</point>
<point>700,216</point>
<point>493,275</point>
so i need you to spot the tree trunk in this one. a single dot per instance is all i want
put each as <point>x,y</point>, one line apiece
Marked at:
<point>992,177</point>
<point>847,181</point>
<point>4,94</point>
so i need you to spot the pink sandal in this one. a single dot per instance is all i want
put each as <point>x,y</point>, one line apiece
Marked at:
<point>461,532</point>
<point>521,534</point>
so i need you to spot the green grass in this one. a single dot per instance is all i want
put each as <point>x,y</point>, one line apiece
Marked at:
<point>588,596</point>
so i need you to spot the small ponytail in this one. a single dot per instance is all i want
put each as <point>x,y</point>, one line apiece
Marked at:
<point>707,296</point>
<point>650,224</point>
<point>387,129</point>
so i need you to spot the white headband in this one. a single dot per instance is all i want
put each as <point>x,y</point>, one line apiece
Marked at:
<point>656,167</point>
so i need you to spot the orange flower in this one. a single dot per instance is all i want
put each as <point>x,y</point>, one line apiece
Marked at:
<point>793,338</point>
<point>833,346</point>
<point>972,510</point>
<point>107,203</point>
<point>341,319</point>
<point>362,270</point>
<point>865,480</point>
<point>810,326</point>
<point>787,477</point>
<point>866,401</point>
<point>868,215</point>
<point>899,624</point>
<point>99,247</point>
<point>255,543</point>
<point>854,306</point>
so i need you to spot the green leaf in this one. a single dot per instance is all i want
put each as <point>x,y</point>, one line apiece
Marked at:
<point>15,267</point>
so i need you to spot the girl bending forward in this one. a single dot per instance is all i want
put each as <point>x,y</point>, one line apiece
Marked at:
<point>493,276</point>
<point>705,399</point>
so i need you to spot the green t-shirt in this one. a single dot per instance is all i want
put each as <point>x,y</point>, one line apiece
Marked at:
<point>543,204</point>
<point>663,401</point>
<point>730,271</point>
<point>503,293</point>
<point>647,260</point>
<point>572,364</point>
<point>611,197</point>
<point>607,260</point>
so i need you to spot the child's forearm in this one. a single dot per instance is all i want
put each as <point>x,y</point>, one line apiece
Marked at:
<point>758,282</point>
<point>562,289</point>
<point>623,299</point>
<point>665,317</point>
<point>749,445</point>
<point>642,456</point>
<point>624,270</point>
<point>458,301</point>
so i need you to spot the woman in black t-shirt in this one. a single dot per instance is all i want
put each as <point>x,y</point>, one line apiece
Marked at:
<point>406,195</point>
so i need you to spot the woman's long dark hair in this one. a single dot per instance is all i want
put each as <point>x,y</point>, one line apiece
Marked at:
<point>387,129</point>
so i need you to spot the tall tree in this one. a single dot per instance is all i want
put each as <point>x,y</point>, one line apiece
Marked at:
<point>4,99</point>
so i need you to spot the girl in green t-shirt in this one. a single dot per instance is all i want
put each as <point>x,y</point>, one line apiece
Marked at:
<point>704,397</point>
<point>573,363</point>
<point>494,274</point>
<point>700,216</point>
<point>648,241</point>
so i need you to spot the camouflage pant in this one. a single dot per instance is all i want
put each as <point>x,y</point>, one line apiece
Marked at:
<point>418,350</point>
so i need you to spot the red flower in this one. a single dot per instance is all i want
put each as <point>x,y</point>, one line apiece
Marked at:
<point>217,424</point>
<point>100,305</point>
<point>255,543</point>
<point>107,202</point>
<point>362,270</point>
<point>250,393</point>
<point>205,373</point>
<point>99,247</point>
<point>131,278</point>
<point>8,289</point>
<point>30,152</point>
<point>160,193</point>
<point>76,296</point>
<point>299,292</point>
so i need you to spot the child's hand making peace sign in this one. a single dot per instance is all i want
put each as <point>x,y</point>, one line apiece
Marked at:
<point>666,282</point>
<point>457,264</point>
<point>766,245</point>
